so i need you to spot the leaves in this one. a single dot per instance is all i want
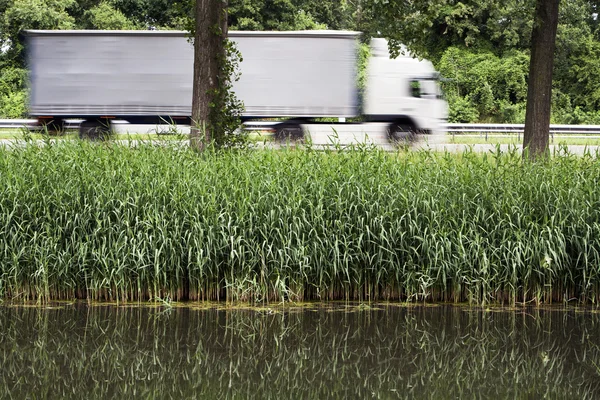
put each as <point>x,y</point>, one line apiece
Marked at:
<point>31,14</point>
<point>104,16</point>
<point>482,86</point>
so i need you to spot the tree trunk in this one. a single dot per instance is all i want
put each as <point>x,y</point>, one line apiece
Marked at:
<point>209,51</point>
<point>539,90</point>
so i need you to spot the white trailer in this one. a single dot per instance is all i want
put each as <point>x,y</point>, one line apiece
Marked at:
<point>146,77</point>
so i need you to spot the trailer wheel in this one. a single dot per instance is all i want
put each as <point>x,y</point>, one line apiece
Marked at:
<point>291,132</point>
<point>95,129</point>
<point>53,127</point>
<point>401,133</point>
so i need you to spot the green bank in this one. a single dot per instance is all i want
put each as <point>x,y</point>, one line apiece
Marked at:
<point>108,222</point>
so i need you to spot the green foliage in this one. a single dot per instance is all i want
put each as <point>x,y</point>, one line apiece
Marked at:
<point>12,79</point>
<point>107,223</point>
<point>575,116</point>
<point>364,52</point>
<point>583,77</point>
<point>428,28</point>
<point>226,109</point>
<point>261,15</point>
<point>462,110</point>
<point>154,13</point>
<point>31,14</point>
<point>295,14</point>
<point>104,16</point>
<point>12,95</point>
<point>304,21</point>
<point>330,14</point>
<point>500,30</point>
<point>482,86</point>
<point>13,104</point>
<point>511,113</point>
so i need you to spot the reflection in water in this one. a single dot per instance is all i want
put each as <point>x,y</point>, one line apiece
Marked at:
<point>319,352</point>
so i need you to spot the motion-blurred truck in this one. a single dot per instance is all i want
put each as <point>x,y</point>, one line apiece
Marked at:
<point>294,77</point>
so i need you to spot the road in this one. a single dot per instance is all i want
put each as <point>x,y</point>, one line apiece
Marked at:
<point>373,134</point>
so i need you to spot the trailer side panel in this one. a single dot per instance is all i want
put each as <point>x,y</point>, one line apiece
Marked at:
<point>133,74</point>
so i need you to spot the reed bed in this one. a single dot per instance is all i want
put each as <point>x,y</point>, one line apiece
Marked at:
<point>131,223</point>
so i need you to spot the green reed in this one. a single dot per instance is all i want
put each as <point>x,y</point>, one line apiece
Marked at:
<point>126,223</point>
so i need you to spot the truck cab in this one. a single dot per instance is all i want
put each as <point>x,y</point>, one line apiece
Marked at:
<point>403,92</point>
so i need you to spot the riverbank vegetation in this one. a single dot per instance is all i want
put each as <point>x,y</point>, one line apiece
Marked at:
<point>101,221</point>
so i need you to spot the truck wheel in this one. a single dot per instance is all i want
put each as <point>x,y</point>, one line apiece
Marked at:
<point>289,132</point>
<point>401,133</point>
<point>95,129</point>
<point>53,127</point>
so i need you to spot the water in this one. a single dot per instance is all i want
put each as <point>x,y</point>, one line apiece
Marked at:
<point>313,352</point>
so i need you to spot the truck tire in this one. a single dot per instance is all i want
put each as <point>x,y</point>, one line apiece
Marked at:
<point>289,131</point>
<point>95,129</point>
<point>53,127</point>
<point>401,133</point>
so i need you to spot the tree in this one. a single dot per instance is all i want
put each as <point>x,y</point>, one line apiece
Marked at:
<point>482,86</point>
<point>30,14</point>
<point>155,13</point>
<point>428,28</point>
<point>539,91</point>
<point>334,14</point>
<point>105,16</point>
<point>209,54</point>
<point>16,16</point>
<point>575,92</point>
<point>278,15</point>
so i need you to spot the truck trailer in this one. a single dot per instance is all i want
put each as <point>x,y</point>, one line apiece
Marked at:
<point>294,77</point>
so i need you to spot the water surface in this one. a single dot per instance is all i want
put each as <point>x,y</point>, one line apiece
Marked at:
<point>313,352</point>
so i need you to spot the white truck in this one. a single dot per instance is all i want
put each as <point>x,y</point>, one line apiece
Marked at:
<point>294,77</point>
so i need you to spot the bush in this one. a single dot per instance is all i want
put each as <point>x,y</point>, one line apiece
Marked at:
<point>13,105</point>
<point>13,95</point>
<point>481,86</point>
<point>461,110</point>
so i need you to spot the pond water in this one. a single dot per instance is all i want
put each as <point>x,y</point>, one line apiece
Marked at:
<point>311,352</point>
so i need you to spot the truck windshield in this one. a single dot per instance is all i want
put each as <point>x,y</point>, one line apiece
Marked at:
<point>426,88</point>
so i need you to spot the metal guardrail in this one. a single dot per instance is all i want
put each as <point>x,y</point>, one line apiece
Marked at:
<point>15,123</point>
<point>450,128</point>
<point>479,128</point>
<point>32,123</point>
<point>519,128</point>
<point>74,124</point>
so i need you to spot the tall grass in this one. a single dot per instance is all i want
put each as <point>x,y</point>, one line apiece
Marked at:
<point>125,223</point>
